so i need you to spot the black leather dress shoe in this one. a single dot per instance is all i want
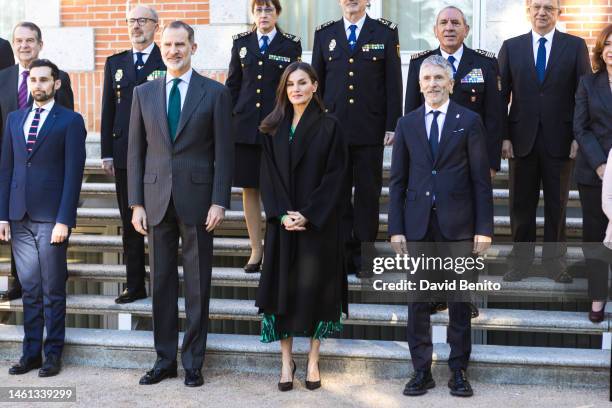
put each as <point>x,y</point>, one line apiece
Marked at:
<point>51,367</point>
<point>11,294</point>
<point>157,375</point>
<point>24,365</point>
<point>436,307</point>
<point>419,383</point>
<point>513,275</point>
<point>253,267</point>
<point>129,296</point>
<point>459,384</point>
<point>193,378</point>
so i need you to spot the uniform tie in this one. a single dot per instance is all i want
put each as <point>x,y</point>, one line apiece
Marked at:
<point>33,132</point>
<point>264,46</point>
<point>352,39</point>
<point>541,60</point>
<point>174,108</point>
<point>452,60</point>
<point>22,94</point>
<point>434,134</point>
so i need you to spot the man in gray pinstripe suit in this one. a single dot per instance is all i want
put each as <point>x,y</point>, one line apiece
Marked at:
<point>180,161</point>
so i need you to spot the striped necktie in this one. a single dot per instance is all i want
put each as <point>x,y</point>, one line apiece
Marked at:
<point>33,133</point>
<point>22,93</point>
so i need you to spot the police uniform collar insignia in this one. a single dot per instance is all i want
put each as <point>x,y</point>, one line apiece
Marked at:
<point>118,75</point>
<point>243,52</point>
<point>158,73</point>
<point>332,44</point>
<point>291,37</point>
<point>420,54</point>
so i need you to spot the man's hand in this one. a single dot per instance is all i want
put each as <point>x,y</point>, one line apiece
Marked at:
<point>5,231</point>
<point>389,137</point>
<point>573,150</point>
<point>60,233</point>
<point>481,244</point>
<point>507,150</point>
<point>139,219</point>
<point>215,217</point>
<point>601,171</point>
<point>493,173</point>
<point>295,221</point>
<point>109,167</point>
<point>398,243</point>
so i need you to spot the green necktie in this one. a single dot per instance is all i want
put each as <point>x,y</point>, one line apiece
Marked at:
<point>174,108</point>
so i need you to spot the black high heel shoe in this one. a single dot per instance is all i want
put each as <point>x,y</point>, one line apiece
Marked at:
<point>597,317</point>
<point>253,268</point>
<point>313,385</point>
<point>288,386</point>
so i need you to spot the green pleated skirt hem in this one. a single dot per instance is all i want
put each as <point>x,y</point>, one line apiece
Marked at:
<point>269,332</point>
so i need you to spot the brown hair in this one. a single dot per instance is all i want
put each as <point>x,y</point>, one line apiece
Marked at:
<point>181,24</point>
<point>31,26</point>
<point>283,107</point>
<point>275,3</point>
<point>598,62</point>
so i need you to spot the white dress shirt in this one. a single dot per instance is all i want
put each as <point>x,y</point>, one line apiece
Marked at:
<point>20,79</point>
<point>43,116</point>
<point>270,35</point>
<point>441,117</point>
<point>535,38</point>
<point>182,86</point>
<point>359,25</point>
<point>458,54</point>
<point>145,53</point>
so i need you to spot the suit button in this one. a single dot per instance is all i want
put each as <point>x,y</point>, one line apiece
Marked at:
<point>351,87</point>
<point>330,58</point>
<point>434,172</point>
<point>351,101</point>
<point>351,73</point>
<point>260,62</point>
<point>258,104</point>
<point>374,59</point>
<point>351,60</point>
<point>259,91</point>
<point>258,76</point>
<point>427,193</point>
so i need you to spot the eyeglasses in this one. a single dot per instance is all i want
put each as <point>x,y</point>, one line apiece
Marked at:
<point>141,21</point>
<point>547,9</point>
<point>267,10</point>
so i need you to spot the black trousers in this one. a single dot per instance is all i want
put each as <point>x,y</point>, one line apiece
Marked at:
<point>526,175</point>
<point>360,216</point>
<point>197,252</point>
<point>594,223</point>
<point>133,242</point>
<point>459,330</point>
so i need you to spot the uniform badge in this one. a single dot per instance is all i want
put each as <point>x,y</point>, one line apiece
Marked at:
<point>332,44</point>
<point>118,75</point>
<point>243,52</point>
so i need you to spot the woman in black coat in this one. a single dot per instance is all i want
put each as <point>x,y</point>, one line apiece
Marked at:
<point>303,287</point>
<point>593,131</point>
<point>259,58</point>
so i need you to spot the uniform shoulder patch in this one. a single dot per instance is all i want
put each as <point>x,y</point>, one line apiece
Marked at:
<point>292,37</point>
<point>486,53</point>
<point>322,26</point>
<point>239,36</point>
<point>420,54</point>
<point>387,23</point>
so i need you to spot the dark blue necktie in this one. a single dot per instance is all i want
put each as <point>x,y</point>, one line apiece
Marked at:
<point>139,61</point>
<point>352,39</point>
<point>452,60</point>
<point>264,46</point>
<point>434,134</point>
<point>34,128</point>
<point>541,60</point>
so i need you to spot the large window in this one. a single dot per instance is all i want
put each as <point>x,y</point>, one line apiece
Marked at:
<point>415,18</point>
<point>12,12</point>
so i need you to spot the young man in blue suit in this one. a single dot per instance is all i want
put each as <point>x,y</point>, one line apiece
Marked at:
<point>440,191</point>
<point>41,168</point>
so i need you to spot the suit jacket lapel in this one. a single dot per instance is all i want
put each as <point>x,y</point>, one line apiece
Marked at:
<point>527,52</point>
<point>129,69</point>
<point>366,33</point>
<point>161,109</point>
<point>195,93</point>
<point>341,37</point>
<point>450,123</point>
<point>46,128</point>
<point>603,89</point>
<point>21,137</point>
<point>558,46</point>
<point>280,141</point>
<point>421,133</point>
<point>276,42</point>
<point>302,137</point>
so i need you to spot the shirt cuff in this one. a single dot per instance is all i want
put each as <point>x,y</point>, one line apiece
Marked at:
<point>220,206</point>
<point>107,159</point>
<point>4,222</point>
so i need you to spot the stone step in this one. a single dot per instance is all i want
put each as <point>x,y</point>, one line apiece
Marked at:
<point>372,358</point>
<point>533,287</point>
<point>235,220</point>
<point>359,314</point>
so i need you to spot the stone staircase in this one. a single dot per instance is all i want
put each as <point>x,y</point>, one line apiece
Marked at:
<point>95,252</point>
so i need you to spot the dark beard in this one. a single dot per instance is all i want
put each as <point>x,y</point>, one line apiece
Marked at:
<point>44,97</point>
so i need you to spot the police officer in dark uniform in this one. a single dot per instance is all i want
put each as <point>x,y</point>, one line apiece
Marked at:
<point>477,80</point>
<point>360,78</point>
<point>122,72</point>
<point>259,58</point>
